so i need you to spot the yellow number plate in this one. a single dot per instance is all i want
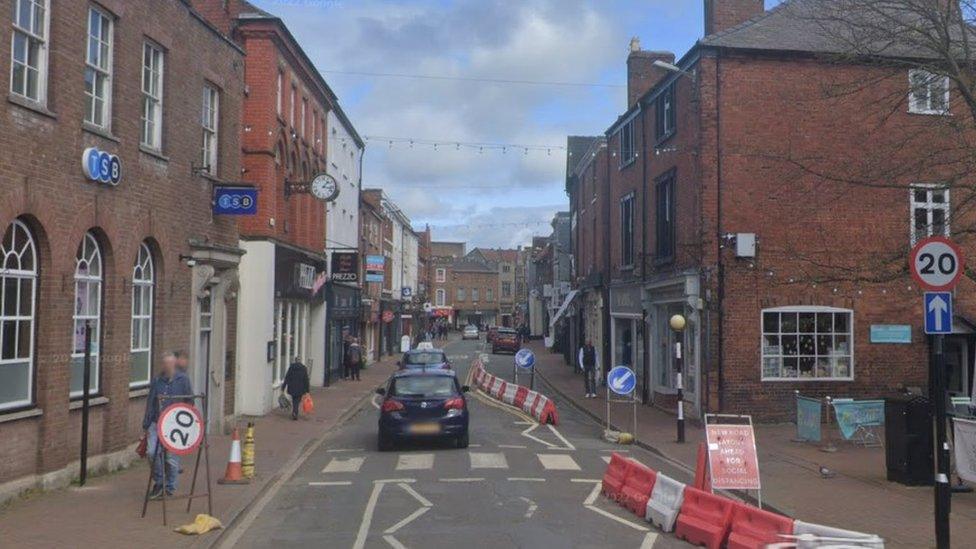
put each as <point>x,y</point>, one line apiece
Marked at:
<point>425,428</point>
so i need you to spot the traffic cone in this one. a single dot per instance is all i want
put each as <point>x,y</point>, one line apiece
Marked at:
<point>247,468</point>
<point>233,474</point>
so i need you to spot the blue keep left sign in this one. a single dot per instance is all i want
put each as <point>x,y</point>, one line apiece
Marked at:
<point>525,359</point>
<point>622,380</point>
<point>235,201</point>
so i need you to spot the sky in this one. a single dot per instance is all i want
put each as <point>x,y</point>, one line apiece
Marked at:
<point>485,195</point>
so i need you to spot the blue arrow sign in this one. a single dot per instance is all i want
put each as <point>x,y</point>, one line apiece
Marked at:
<point>938,313</point>
<point>622,380</point>
<point>525,359</point>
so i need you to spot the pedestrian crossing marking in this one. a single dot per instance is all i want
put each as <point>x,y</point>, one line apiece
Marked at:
<point>347,465</point>
<point>488,460</point>
<point>606,458</point>
<point>558,462</point>
<point>413,462</point>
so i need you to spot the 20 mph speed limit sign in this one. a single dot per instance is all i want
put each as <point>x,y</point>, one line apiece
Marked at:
<point>936,263</point>
<point>180,428</point>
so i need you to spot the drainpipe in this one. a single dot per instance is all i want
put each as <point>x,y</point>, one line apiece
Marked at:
<point>645,351</point>
<point>718,234</point>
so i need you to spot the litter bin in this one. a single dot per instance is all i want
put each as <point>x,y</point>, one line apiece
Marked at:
<point>908,440</point>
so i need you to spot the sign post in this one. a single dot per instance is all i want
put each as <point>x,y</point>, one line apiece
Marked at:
<point>85,406</point>
<point>936,264</point>
<point>622,381</point>
<point>525,360</point>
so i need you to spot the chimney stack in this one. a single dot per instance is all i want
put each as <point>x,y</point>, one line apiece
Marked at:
<point>722,15</point>
<point>642,75</point>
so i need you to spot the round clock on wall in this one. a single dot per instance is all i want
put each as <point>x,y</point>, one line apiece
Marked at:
<point>324,187</point>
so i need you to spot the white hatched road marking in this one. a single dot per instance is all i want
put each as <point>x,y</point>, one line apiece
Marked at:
<point>526,479</point>
<point>532,506</point>
<point>412,462</point>
<point>513,446</point>
<point>649,537</point>
<point>340,450</point>
<point>488,460</point>
<point>335,483</point>
<point>469,479</point>
<point>558,462</point>
<point>347,465</point>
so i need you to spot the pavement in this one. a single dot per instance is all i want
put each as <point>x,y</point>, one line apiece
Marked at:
<point>106,512</point>
<point>858,497</point>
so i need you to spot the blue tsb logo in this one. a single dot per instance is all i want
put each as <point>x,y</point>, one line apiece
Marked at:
<point>101,166</point>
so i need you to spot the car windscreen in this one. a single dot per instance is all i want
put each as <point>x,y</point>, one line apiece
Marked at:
<point>418,359</point>
<point>423,387</point>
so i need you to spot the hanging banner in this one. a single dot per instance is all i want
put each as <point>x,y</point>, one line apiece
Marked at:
<point>808,413</point>
<point>732,460</point>
<point>964,438</point>
<point>853,414</point>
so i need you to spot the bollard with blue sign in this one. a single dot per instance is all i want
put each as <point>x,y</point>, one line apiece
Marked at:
<point>235,200</point>
<point>525,362</point>
<point>622,381</point>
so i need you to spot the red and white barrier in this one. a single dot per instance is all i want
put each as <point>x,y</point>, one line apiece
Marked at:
<point>535,404</point>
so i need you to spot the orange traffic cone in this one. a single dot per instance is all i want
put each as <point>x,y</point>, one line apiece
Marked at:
<point>233,473</point>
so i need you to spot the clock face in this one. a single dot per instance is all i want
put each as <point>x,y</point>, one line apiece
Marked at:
<point>324,187</point>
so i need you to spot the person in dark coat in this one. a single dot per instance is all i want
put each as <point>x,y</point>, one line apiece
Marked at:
<point>171,382</point>
<point>297,384</point>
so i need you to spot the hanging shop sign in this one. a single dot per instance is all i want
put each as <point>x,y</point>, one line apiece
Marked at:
<point>345,267</point>
<point>101,167</point>
<point>235,200</point>
<point>375,268</point>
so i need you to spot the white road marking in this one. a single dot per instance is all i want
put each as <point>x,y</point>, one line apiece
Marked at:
<point>513,446</point>
<point>532,427</point>
<point>335,483</point>
<point>532,506</point>
<point>374,403</point>
<point>525,479</point>
<point>561,437</point>
<point>594,493</point>
<point>407,520</point>
<point>423,501</point>
<point>604,458</point>
<point>649,540</point>
<point>468,479</point>
<point>558,462</point>
<point>591,498</point>
<point>393,480</point>
<point>349,465</point>
<point>339,450</point>
<point>586,480</point>
<point>394,543</point>
<point>474,446</point>
<point>526,423</point>
<point>488,460</point>
<point>374,496</point>
<point>410,462</point>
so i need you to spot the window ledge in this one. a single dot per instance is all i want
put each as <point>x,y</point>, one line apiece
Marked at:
<point>31,105</point>
<point>627,164</point>
<point>153,153</point>
<point>100,132</point>
<point>137,393</point>
<point>94,401</point>
<point>22,414</point>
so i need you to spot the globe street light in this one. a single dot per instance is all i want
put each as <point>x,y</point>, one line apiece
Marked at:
<point>678,324</point>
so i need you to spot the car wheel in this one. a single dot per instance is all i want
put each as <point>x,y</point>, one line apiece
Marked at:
<point>462,441</point>
<point>384,444</point>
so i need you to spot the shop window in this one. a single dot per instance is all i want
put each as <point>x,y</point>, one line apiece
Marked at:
<point>143,282</point>
<point>18,291</point>
<point>87,311</point>
<point>803,343</point>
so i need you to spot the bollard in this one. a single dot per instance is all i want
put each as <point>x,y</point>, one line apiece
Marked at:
<point>247,457</point>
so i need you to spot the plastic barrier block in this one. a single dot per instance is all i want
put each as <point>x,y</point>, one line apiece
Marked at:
<point>508,397</point>
<point>637,488</point>
<point>549,414</point>
<point>754,528</point>
<point>811,536</point>
<point>665,502</point>
<point>520,395</point>
<point>704,518</point>
<point>615,475</point>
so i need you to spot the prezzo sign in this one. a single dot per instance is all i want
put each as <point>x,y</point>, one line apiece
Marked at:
<point>345,267</point>
<point>101,166</point>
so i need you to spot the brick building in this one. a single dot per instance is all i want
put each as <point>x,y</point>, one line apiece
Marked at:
<point>283,146</point>
<point>371,250</point>
<point>724,206</point>
<point>465,287</point>
<point>507,261</point>
<point>134,250</point>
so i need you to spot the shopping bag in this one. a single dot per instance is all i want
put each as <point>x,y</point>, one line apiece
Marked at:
<point>307,404</point>
<point>142,447</point>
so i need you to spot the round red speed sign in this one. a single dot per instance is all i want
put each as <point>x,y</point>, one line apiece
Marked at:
<point>387,316</point>
<point>936,263</point>
<point>180,428</point>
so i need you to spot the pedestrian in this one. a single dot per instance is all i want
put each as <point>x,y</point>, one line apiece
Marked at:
<point>354,358</point>
<point>171,382</point>
<point>346,368</point>
<point>182,360</point>
<point>297,385</point>
<point>590,363</point>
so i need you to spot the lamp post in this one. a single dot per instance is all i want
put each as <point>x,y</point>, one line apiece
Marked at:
<point>678,323</point>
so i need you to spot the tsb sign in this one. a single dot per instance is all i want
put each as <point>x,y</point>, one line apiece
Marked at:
<point>101,166</point>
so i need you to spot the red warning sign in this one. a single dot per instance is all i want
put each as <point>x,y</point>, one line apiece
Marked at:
<point>732,459</point>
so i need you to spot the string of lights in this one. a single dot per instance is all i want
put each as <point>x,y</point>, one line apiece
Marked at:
<point>518,224</point>
<point>455,145</point>
<point>478,79</point>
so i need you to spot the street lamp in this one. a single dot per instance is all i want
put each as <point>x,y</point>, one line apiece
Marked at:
<point>671,67</point>
<point>678,324</point>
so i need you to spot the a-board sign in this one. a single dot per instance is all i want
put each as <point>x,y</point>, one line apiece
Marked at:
<point>732,459</point>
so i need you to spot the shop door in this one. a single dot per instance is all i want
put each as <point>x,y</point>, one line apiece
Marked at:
<point>201,375</point>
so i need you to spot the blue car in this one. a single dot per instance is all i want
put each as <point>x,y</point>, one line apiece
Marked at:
<point>423,405</point>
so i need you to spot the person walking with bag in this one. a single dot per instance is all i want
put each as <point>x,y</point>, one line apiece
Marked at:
<point>297,384</point>
<point>589,362</point>
<point>170,382</point>
<point>354,358</point>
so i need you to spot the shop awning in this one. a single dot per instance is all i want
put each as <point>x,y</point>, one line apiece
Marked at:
<point>564,307</point>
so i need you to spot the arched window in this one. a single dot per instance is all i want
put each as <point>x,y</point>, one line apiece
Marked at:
<point>143,280</point>
<point>18,290</point>
<point>88,309</point>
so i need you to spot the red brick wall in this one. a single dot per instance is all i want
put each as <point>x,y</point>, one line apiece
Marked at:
<point>158,199</point>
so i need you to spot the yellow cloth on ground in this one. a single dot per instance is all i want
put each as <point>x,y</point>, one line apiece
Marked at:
<point>201,525</point>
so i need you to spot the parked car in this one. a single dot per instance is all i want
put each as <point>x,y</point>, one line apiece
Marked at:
<point>470,332</point>
<point>490,334</point>
<point>506,339</point>
<point>422,405</point>
<point>421,359</point>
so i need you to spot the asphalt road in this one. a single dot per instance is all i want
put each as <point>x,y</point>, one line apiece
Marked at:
<point>519,484</point>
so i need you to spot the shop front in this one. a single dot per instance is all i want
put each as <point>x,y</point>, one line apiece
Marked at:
<point>666,298</point>
<point>627,334</point>
<point>390,326</point>
<point>343,306</point>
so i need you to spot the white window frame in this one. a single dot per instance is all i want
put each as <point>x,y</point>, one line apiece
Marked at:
<point>627,156</point>
<point>440,275</point>
<point>100,68</point>
<point>489,295</point>
<point>279,98</point>
<point>475,295</point>
<point>929,206</point>
<point>34,35</point>
<point>11,267</point>
<point>914,99</point>
<point>143,285</point>
<point>805,309</point>
<point>90,254</point>
<point>210,126</point>
<point>461,295</point>
<point>440,297</point>
<point>304,120</point>
<point>152,96</point>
